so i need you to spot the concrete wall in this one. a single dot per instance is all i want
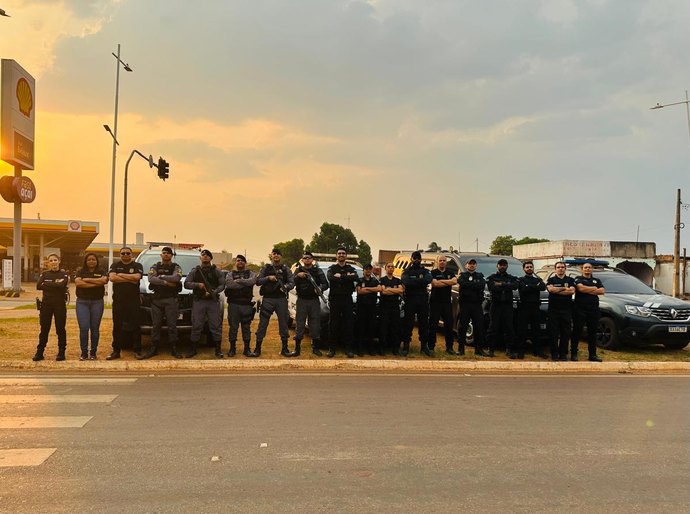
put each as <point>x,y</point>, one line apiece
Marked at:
<point>663,277</point>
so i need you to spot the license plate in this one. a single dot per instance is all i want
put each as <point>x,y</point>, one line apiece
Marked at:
<point>543,326</point>
<point>678,330</point>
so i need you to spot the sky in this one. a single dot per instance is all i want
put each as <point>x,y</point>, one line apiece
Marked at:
<point>450,121</point>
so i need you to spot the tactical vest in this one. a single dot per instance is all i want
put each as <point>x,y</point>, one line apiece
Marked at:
<point>211,278</point>
<point>162,291</point>
<point>272,289</point>
<point>245,294</point>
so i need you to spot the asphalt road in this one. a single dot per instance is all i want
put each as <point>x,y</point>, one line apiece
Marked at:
<point>348,443</point>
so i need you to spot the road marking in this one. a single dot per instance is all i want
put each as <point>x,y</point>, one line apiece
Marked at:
<point>25,457</point>
<point>44,421</point>
<point>57,398</point>
<point>65,381</point>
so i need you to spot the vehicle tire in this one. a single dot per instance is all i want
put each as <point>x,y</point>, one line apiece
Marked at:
<point>607,334</point>
<point>469,336</point>
<point>676,345</point>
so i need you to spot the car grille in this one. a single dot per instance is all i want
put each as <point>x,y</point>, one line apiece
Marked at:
<point>666,314</point>
<point>185,301</point>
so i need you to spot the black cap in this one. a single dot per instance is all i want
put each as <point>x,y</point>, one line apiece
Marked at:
<point>307,253</point>
<point>277,251</point>
<point>416,254</point>
<point>368,266</point>
<point>471,261</point>
<point>502,261</point>
<point>166,249</point>
<point>207,252</point>
<point>241,257</point>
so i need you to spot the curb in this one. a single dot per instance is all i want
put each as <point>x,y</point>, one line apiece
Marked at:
<point>351,366</point>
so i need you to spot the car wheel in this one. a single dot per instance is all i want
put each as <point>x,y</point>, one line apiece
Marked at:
<point>469,336</point>
<point>676,345</point>
<point>607,334</point>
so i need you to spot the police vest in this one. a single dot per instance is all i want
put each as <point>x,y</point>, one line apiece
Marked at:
<point>211,278</point>
<point>243,295</point>
<point>273,289</point>
<point>163,291</point>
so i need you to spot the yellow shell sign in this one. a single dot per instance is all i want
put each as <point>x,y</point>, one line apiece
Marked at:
<point>24,97</point>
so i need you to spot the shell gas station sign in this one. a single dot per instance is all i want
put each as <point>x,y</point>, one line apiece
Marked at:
<point>18,115</point>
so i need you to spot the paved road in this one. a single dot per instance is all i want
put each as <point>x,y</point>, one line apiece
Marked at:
<point>344,443</point>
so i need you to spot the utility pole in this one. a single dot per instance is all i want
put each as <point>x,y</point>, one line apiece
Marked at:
<point>477,242</point>
<point>676,249</point>
<point>685,268</point>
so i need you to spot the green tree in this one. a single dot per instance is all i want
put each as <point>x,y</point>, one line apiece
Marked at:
<point>434,247</point>
<point>292,250</point>
<point>503,245</point>
<point>527,239</point>
<point>331,236</point>
<point>364,252</point>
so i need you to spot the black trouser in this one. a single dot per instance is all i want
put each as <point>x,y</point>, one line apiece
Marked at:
<point>366,322</point>
<point>441,311</point>
<point>528,324</point>
<point>585,317</point>
<point>160,308</point>
<point>126,326</point>
<point>559,326</point>
<point>240,315</point>
<point>53,307</point>
<point>340,324</point>
<point>501,325</point>
<point>471,311</point>
<point>417,306</point>
<point>389,328</point>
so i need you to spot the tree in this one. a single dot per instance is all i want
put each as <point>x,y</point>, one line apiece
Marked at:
<point>503,245</point>
<point>364,252</point>
<point>292,250</point>
<point>434,247</point>
<point>331,236</point>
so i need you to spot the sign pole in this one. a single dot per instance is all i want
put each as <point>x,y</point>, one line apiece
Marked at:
<point>17,235</point>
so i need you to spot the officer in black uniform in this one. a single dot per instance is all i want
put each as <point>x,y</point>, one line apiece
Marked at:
<point>392,291</point>
<point>416,278</point>
<point>368,288</point>
<point>529,286</point>
<point>275,280</point>
<point>501,286</point>
<point>561,289</point>
<point>206,282</point>
<point>239,291</point>
<point>471,285</point>
<point>342,278</point>
<point>125,276</point>
<point>308,302</point>
<point>586,312</point>
<point>440,306</point>
<point>54,283</point>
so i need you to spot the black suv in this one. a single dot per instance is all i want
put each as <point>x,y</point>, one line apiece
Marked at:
<point>632,313</point>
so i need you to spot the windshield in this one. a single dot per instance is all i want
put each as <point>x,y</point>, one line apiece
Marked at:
<point>623,284</point>
<point>186,262</point>
<point>487,265</point>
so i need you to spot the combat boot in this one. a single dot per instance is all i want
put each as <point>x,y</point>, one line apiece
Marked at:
<point>298,349</point>
<point>115,354</point>
<point>405,349</point>
<point>331,352</point>
<point>315,347</point>
<point>192,349</point>
<point>257,350</point>
<point>247,351</point>
<point>427,351</point>
<point>217,352</point>
<point>174,352</point>
<point>233,349</point>
<point>153,351</point>
<point>60,355</point>
<point>39,355</point>
<point>284,350</point>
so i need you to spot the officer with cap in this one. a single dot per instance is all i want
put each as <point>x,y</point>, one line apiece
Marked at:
<point>239,291</point>
<point>165,280</point>
<point>125,276</point>
<point>501,286</point>
<point>206,282</point>
<point>470,300</point>
<point>440,306</point>
<point>368,288</point>
<point>416,278</point>
<point>530,287</point>
<point>275,280</point>
<point>308,302</point>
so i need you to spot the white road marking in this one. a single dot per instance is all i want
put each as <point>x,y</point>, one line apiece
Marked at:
<point>44,421</point>
<point>65,381</point>
<point>57,398</point>
<point>24,457</point>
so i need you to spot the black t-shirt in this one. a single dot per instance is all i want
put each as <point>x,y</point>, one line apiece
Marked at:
<point>369,298</point>
<point>389,300</point>
<point>584,299</point>
<point>559,301</point>
<point>441,294</point>
<point>126,288</point>
<point>90,293</point>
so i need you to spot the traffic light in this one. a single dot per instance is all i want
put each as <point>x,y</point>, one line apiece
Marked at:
<point>163,168</point>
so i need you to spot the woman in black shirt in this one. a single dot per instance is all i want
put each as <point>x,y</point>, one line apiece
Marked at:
<point>90,283</point>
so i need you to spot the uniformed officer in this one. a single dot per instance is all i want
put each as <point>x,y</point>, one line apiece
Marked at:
<point>239,291</point>
<point>392,291</point>
<point>54,283</point>
<point>561,289</point>
<point>342,278</point>
<point>308,302</point>
<point>471,285</point>
<point>125,276</point>
<point>275,280</point>
<point>206,282</point>
<point>501,286</point>
<point>529,286</point>
<point>416,278</point>
<point>586,312</point>
<point>440,306</point>
<point>368,287</point>
<point>165,280</point>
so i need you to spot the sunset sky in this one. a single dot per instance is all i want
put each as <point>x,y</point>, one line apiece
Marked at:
<point>420,121</point>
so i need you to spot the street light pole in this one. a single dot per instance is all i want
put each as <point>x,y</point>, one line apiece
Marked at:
<point>149,159</point>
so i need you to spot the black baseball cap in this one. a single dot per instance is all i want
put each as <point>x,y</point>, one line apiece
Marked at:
<point>241,257</point>
<point>416,254</point>
<point>277,251</point>
<point>368,266</point>
<point>471,261</point>
<point>308,254</point>
<point>502,261</point>
<point>166,249</point>
<point>207,252</point>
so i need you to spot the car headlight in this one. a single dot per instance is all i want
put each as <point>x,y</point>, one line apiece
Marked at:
<point>638,310</point>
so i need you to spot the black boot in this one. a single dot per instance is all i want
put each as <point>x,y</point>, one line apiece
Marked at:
<point>427,351</point>
<point>331,352</point>
<point>174,352</point>
<point>60,355</point>
<point>257,350</point>
<point>39,354</point>
<point>450,351</point>
<point>315,347</point>
<point>405,349</point>
<point>151,353</point>
<point>115,354</point>
<point>192,349</point>
<point>218,353</point>
<point>298,349</point>
<point>461,350</point>
<point>247,351</point>
<point>233,349</point>
<point>284,350</point>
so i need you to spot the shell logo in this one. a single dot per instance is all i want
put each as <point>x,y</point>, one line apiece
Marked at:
<point>24,96</point>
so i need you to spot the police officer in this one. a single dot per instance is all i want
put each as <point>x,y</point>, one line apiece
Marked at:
<point>440,306</point>
<point>586,312</point>
<point>54,283</point>
<point>165,278</point>
<point>368,288</point>
<point>308,302</point>
<point>342,277</point>
<point>561,289</point>
<point>275,280</point>
<point>239,291</point>
<point>125,276</point>
<point>529,286</point>
<point>470,300</point>
<point>416,278</point>
<point>206,282</point>
<point>501,286</point>
<point>392,291</point>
